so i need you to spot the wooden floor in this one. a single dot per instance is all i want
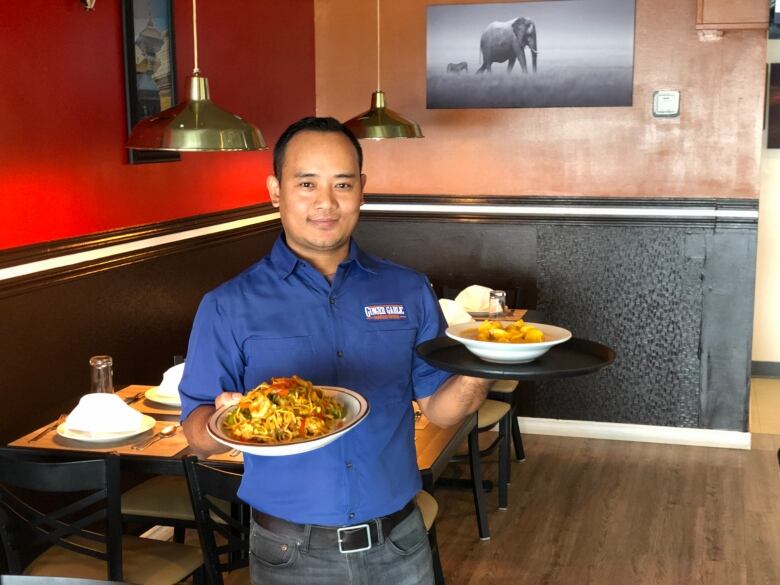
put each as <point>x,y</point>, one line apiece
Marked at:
<point>584,511</point>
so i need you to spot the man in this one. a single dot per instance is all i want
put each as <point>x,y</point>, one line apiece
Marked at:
<point>319,307</point>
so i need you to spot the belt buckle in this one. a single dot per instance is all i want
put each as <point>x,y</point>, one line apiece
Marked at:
<point>343,529</point>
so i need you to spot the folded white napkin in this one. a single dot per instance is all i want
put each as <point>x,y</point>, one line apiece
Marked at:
<point>103,413</point>
<point>474,298</point>
<point>453,312</point>
<point>169,386</point>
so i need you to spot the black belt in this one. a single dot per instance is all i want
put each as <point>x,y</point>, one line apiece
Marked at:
<point>345,538</point>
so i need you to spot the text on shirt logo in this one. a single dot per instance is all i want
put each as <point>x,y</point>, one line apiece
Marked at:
<point>382,312</point>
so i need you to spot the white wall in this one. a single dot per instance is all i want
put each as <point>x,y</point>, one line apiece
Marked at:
<point>766,325</point>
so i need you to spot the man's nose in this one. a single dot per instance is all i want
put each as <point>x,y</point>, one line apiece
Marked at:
<point>326,198</point>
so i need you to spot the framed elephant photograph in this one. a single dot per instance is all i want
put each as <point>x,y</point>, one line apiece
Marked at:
<point>556,53</point>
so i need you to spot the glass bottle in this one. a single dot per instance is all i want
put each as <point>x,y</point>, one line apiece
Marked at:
<point>101,374</point>
<point>497,304</point>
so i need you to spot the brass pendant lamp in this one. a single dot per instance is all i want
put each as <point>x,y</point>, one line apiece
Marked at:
<point>380,122</point>
<point>196,124</point>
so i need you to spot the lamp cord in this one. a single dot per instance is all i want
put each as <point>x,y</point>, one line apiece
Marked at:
<point>378,45</point>
<point>195,69</point>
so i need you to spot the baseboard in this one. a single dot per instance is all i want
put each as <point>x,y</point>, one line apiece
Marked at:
<point>765,369</point>
<point>638,433</point>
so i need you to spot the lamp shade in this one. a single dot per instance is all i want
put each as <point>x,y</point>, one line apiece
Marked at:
<point>196,125</point>
<point>379,122</point>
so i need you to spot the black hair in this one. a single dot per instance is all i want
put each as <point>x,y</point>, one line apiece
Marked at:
<point>312,124</point>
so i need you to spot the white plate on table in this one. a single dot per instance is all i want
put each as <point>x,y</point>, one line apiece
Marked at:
<point>509,353</point>
<point>153,395</point>
<point>147,422</point>
<point>356,406</point>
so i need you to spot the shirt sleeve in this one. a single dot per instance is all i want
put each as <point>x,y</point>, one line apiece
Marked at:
<point>214,361</point>
<point>425,378</point>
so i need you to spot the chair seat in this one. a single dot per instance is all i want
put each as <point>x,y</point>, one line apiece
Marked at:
<point>144,561</point>
<point>504,386</point>
<point>429,508</point>
<point>490,413</point>
<point>163,496</point>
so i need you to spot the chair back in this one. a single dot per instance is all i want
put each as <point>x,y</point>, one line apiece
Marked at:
<point>94,501</point>
<point>208,484</point>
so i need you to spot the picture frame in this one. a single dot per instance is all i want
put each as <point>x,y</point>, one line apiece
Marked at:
<point>584,56</point>
<point>773,107</point>
<point>773,31</point>
<point>150,67</point>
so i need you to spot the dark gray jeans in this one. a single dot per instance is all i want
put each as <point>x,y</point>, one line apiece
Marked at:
<point>402,557</point>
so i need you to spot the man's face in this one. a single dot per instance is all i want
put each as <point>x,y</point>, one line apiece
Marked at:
<point>319,194</point>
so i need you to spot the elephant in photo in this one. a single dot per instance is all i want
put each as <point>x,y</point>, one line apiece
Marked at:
<point>457,67</point>
<point>506,41</point>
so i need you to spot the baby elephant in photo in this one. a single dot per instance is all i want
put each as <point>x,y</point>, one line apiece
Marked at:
<point>457,67</point>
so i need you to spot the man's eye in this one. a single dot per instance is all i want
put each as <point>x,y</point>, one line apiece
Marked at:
<point>343,185</point>
<point>306,184</point>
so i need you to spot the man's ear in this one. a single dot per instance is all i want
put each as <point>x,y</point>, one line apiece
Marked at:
<point>362,187</point>
<point>273,189</point>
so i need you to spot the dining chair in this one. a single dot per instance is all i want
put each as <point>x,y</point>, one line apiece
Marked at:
<point>490,414</point>
<point>429,508</point>
<point>162,500</point>
<point>224,534</point>
<point>506,391</point>
<point>81,529</point>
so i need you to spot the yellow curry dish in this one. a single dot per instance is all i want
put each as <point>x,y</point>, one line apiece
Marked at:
<point>284,410</point>
<point>503,332</point>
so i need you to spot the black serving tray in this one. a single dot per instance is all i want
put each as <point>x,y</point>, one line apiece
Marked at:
<point>572,358</point>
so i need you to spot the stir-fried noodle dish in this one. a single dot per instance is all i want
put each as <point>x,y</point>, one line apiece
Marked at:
<point>282,411</point>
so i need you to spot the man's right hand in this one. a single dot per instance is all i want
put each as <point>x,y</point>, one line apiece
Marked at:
<point>198,437</point>
<point>227,399</point>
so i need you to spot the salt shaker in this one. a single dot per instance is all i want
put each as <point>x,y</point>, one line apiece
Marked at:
<point>497,304</point>
<point>101,374</point>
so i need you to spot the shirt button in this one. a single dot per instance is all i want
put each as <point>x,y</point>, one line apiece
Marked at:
<point>349,464</point>
<point>351,515</point>
<point>340,353</point>
<point>331,300</point>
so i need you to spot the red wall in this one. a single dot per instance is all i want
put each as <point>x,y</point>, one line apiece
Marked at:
<point>63,165</point>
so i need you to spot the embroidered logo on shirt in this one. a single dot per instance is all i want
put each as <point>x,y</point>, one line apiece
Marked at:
<point>382,312</point>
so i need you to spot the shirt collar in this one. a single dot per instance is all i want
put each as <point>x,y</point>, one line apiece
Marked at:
<point>285,261</point>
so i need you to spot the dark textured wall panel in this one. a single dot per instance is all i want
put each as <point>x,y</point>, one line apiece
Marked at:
<point>637,290</point>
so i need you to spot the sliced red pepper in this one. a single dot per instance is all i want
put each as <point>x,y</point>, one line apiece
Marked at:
<point>302,431</point>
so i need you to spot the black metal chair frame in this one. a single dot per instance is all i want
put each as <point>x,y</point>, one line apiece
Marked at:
<point>206,482</point>
<point>98,477</point>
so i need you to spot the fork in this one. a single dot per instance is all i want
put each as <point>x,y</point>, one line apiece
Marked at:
<point>52,427</point>
<point>233,452</point>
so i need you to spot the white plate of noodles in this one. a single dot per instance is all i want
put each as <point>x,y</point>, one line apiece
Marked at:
<point>287,416</point>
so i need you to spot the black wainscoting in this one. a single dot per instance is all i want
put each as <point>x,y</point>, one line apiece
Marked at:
<point>672,296</point>
<point>137,308</point>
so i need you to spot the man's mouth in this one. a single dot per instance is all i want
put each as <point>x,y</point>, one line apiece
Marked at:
<point>323,223</point>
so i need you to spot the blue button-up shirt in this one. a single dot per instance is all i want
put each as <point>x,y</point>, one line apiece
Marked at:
<point>282,317</point>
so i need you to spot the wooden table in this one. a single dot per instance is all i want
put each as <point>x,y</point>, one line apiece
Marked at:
<point>435,445</point>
